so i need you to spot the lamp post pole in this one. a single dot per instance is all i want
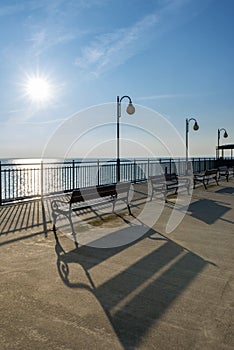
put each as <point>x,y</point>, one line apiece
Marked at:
<point>195,127</point>
<point>118,159</point>
<point>130,110</point>
<point>224,135</point>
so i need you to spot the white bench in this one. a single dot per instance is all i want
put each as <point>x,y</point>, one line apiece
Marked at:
<point>211,174</point>
<point>91,196</point>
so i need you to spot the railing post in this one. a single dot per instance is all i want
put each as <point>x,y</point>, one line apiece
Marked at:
<point>134,164</point>
<point>42,179</point>
<point>148,170</point>
<point>98,175</point>
<point>0,183</point>
<point>73,174</point>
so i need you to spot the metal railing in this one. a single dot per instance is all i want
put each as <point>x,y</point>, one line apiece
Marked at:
<point>23,181</point>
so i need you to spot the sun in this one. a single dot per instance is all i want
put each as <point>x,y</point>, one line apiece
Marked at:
<point>38,89</point>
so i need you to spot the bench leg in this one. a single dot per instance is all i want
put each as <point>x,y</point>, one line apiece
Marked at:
<point>54,221</point>
<point>113,208</point>
<point>129,210</point>
<point>151,196</point>
<point>188,189</point>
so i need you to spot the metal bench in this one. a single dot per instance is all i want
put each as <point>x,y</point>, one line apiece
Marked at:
<point>226,172</point>
<point>91,196</point>
<point>211,174</point>
<point>166,183</point>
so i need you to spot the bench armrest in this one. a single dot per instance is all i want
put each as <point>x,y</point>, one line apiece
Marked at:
<point>57,203</point>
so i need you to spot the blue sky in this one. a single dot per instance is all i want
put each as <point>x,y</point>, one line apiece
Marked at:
<point>173,58</point>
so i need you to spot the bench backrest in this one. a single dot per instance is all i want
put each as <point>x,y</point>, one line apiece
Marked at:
<point>157,178</point>
<point>211,172</point>
<point>123,187</point>
<point>163,178</point>
<point>171,177</point>
<point>106,190</point>
<point>223,169</point>
<point>95,192</point>
<point>79,195</point>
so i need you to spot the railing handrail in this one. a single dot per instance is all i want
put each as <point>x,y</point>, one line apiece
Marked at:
<point>93,161</point>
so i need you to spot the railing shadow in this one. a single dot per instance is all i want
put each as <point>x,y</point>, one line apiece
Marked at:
<point>136,297</point>
<point>22,216</point>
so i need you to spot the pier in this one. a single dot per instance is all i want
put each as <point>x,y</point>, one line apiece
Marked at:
<point>161,291</point>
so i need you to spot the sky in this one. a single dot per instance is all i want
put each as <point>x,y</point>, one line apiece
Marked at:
<point>64,62</point>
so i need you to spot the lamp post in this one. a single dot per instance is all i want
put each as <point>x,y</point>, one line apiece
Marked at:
<point>195,128</point>
<point>130,110</point>
<point>225,135</point>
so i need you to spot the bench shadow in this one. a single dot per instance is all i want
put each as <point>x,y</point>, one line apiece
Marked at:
<point>226,190</point>
<point>208,211</point>
<point>136,297</point>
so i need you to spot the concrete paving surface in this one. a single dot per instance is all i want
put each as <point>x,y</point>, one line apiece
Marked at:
<point>160,290</point>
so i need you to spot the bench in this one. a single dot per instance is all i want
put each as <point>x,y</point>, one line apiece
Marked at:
<point>224,171</point>
<point>165,183</point>
<point>87,197</point>
<point>211,174</point>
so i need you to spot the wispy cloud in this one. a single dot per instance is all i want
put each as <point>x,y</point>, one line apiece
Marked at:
<point>8,10</point>
<point>11,111</point>
<point>43,39</point>
<point>22,122</point>
<point>53,27</point>
<point>112,49</point>
<point>163,96</point>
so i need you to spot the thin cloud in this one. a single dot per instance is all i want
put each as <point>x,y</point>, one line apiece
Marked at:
<point>21,122</point>
<point>44,122</point>
<point>8,10</point>
<point>164,96</point>
<point>44,39</point>
<point>112,49</point>
<point>54,26</point>
<point>12,111</point>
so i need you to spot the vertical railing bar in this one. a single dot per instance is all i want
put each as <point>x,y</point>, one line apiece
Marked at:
<point>64,178</point>
<point>42,178</point>
<point>134,168</point>
<point>98,175</point>
<point>0,183</point>
<point>73,174</point>
<point>9,184</point>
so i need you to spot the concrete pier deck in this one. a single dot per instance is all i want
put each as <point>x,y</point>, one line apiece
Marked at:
<point>161,291</point>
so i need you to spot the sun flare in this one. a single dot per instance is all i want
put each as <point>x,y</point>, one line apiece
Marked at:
<point>38,89</point>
